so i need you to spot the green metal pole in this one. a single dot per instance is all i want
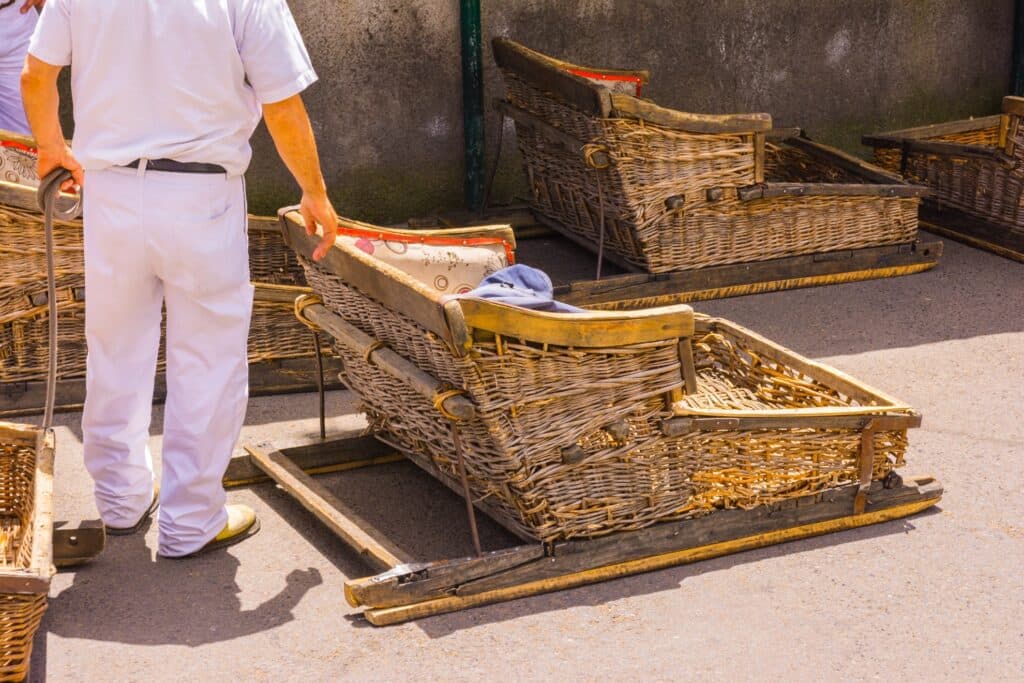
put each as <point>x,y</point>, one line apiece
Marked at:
<point>472,101</point>
<point>1017,86</point>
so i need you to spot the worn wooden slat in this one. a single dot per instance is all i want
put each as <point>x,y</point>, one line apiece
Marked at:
<point>759,139</point>
<point>678,426</point>
<point>386,284</point>
<point>894,138</point>
<point>644,286</point>
<point>512,586</point>
<point>767,190</point>
<point>952,149</point>
<point>19,434</point>
<point>973,230</point>
<point>267,378</point>
<point>387,360</point>
<point>551,76</point>
<point>318,457</point>
<point>720,526</point>
<point>592,329</point>
<point>432,580</point>
<point>355,531</point>
<point>855,165</point>
<point>1013,105</point>
<point>42,529</point>
<point>627,106</point>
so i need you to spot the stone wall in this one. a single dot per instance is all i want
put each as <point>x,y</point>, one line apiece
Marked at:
<point>387,109</point>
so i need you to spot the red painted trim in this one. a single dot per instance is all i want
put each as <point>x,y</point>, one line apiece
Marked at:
<point>17,145</point>
<point>432,240</point>
<point>598,76</point>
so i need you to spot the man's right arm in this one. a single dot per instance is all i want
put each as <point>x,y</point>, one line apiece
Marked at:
<point>39,93</point>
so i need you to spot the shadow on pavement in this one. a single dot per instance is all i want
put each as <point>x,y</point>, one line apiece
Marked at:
<point>129,596</point>
<point>970,293</point>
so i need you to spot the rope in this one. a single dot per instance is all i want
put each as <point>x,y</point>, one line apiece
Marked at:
<point>441,397</point>
<point>302,302</point>
<point>49,190</point>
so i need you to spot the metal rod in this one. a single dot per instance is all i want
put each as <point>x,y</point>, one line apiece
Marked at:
<point>472,101</point>
<point>320,383</point>
<point>470,510</point>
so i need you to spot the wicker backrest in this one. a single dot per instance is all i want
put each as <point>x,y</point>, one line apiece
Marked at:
<point>454,319</point>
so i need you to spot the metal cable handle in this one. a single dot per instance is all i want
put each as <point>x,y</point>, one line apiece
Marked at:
<point>49,190</point>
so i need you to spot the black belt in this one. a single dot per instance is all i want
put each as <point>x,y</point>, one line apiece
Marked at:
<point>172,166</point>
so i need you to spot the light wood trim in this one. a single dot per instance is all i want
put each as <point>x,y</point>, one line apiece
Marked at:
<point>42,533</point>
<point>378,280</point>
<point>19,434</point>
<point>592,329</point>
<point>19,138</point>
<point>894,138</point>
<point>23,197</point>
<point>550,75</point>
<point>1013,105</point>
<point>627,106</point>
<point>397,615</point>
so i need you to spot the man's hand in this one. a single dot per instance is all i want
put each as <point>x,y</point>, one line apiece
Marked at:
<point>289,126</point>
<point>29,4</point>
<point>317,210</point>
<point>57,158</point>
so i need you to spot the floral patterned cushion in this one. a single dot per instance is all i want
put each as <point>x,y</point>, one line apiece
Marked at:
<point>18,163</point>
<point>450,265</point>
<point>620,83</point>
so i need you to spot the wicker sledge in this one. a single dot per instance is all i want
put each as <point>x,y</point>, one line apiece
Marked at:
<point>973,168</point>
<point>275,337</point>
<point>660,191</point>
<point>611,436</point>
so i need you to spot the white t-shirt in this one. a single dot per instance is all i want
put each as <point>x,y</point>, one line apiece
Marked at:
<point>15,31</point>
<point>174,79</point>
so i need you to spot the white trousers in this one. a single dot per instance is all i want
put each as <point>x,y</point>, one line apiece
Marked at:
<point>177,239</point>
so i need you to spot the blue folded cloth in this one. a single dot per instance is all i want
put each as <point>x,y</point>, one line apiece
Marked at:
<point>522,286</point>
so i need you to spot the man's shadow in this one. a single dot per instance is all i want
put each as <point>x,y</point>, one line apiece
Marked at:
<point>128,596</point>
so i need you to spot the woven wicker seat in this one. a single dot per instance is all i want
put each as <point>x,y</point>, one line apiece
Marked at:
<point>660,190</point>
<point>585,424</point>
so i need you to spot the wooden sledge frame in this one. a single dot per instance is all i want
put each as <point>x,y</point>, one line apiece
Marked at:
<point>405,589</point>
<point>958,225</point>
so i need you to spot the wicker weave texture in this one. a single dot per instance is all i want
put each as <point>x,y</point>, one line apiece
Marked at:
<point>614,193</point>
<point>535,400</point>
<point>20,614</point>
<point>24,350</point>
<point>274,334</point>
<point>990,188</point>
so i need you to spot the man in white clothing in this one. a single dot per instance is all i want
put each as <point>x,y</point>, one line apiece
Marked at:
<point>17,21</point>
<point>166,96</point>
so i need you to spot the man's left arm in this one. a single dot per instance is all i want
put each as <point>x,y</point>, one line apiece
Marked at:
<point>29,4</point>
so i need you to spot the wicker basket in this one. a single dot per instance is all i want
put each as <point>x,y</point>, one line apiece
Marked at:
<point>593,423</point>
<point>273,335</point>
<point>972,166</point>
<point>660,190</point>
<point>26,541</point>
